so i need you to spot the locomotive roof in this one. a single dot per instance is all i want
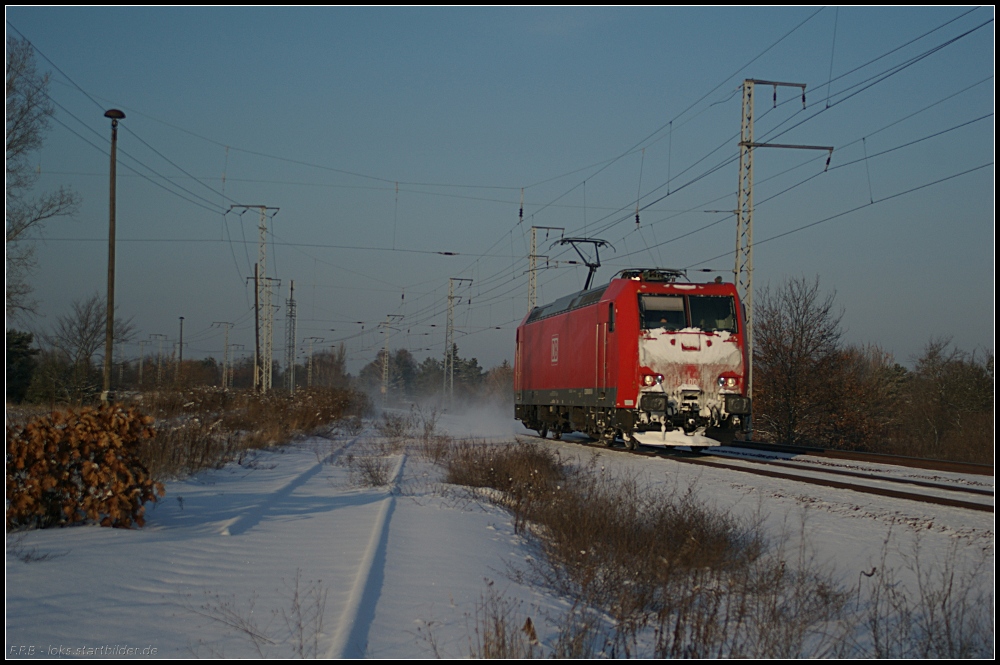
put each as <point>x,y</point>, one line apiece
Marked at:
<point>589,297</point>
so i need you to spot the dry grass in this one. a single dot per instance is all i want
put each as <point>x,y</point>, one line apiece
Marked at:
<point>496,633</point>
<point>948,613</point>
<point>368,470</point>
<point>206,428</point>
<point>651,574</point>
<point>395,426</point>
<point>303,618</point>
<point>660,574</point>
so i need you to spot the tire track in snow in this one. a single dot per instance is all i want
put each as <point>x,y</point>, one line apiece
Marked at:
<point>252,517</point>
<point>351,637</point>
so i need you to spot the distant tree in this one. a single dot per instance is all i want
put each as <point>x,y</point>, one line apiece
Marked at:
<point>796,345</point>
<point>51,379</point>
<point>243,373</point>
<point>402,371</point>
<point>949,411</point>
<point>499,383</point>
<point>429,378</point>
<point>470,375</point>
<point>864,399</point>
<point>329,369</point>
<point>203,372</point>
<point>370,376</point>
<point>21,363</point>
<point>79,335</point>
<point>28,111</point>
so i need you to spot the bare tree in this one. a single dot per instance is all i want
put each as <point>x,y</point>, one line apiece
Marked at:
<point>79,335</point>
<point>864,400</point>
<point>28,111</point>
<point>796,340</point>
<point>330,368</point>
<point>950,410</point>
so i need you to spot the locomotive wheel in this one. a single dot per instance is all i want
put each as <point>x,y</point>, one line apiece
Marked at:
<point>556,435</point>
<point>543,431</point>
<point>631,443</point>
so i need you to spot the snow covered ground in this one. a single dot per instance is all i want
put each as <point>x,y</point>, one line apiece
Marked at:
<point>243,560</point>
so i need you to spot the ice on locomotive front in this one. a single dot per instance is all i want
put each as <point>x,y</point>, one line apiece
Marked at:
<point>691,365</point>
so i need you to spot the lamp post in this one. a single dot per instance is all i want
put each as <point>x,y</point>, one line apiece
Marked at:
<point>115,116</point>
<point>180,353</point>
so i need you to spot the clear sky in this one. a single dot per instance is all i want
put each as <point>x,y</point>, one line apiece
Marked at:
<point>388,136</point>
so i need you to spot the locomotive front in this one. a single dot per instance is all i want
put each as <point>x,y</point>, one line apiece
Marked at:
<point>692,360</point>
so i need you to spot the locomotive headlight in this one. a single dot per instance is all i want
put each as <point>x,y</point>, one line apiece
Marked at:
<point>728,382</point>
<point>650,379</point>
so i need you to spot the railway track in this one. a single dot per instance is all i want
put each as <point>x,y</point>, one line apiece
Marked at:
<point>946,484</point>
<point>866,482</point>
<point>876,458</point>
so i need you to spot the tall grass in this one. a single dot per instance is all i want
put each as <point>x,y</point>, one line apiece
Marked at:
<point>946,611</point>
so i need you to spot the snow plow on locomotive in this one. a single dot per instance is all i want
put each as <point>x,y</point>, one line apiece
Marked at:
<point>642,356</point>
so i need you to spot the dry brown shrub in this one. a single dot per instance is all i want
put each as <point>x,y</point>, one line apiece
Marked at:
<point>637,562</point>
<point>79,465</point>
<point>498,631</point>
<point>207,427</point>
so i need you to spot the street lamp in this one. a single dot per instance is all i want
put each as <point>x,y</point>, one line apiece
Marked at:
<point>115,116</point>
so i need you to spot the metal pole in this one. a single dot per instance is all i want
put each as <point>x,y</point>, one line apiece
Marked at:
<point>142,344</point>
<point>225,325</point>
<point>256,326</point>
<point>106,397</point>
<point>449,341</point>
<point>180,354</point>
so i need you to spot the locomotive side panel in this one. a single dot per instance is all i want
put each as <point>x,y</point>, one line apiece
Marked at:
<point>561,358</point>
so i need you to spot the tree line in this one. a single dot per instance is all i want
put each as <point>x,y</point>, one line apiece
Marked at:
<point>812,388</point>
<point>64,366</point>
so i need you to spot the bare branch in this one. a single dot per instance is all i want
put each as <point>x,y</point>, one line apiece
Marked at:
<point>28,111</point>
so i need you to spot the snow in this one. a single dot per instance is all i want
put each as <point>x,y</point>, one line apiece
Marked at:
<point>403,567</point>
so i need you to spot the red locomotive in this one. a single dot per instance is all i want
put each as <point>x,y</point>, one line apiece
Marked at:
<point>641,356</point>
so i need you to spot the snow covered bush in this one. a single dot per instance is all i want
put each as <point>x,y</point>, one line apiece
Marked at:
<point>79,465</point>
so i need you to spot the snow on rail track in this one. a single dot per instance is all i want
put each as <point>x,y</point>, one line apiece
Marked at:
<point>971,491</point>
<point>883,482</point>
<point>350,638</point>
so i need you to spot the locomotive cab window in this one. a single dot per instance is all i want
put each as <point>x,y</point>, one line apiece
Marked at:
<point>662,312</point>
<point>713,313</point>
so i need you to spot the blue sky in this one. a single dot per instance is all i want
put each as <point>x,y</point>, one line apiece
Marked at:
<point>387,136</point>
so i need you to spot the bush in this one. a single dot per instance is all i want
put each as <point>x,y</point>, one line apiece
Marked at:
<point>649,572</point>
<point>79,465</point>
<point>203,428</point>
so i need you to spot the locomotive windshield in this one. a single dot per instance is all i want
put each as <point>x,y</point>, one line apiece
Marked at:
<point>713,313</point>
<point>662,312</point>
<point>708,313</point>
